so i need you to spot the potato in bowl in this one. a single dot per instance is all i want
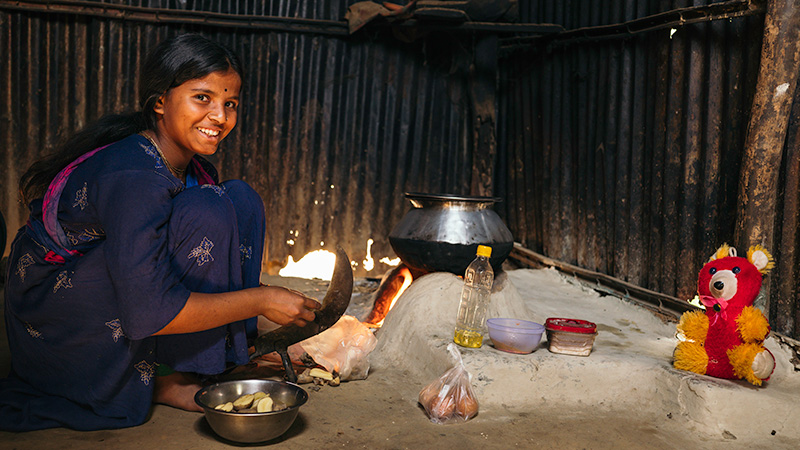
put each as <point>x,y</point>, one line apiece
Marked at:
<point>244,423</point>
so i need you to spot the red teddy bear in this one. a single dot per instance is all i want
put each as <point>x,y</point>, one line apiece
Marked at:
<point>727,341</point>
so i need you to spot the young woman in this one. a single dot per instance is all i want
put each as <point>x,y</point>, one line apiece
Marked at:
<point>137,269</point>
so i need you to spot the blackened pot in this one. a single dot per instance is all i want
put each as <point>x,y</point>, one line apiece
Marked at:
<point>442,232</point>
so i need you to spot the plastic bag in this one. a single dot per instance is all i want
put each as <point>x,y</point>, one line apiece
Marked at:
<point>450,398</point>
<point>343,348</point>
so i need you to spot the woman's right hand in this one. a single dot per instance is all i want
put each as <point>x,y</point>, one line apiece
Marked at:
<point>286,306</point>
<point>278,304</point>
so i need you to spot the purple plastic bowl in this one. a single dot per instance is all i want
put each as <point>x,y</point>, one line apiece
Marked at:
<point>515,335</point>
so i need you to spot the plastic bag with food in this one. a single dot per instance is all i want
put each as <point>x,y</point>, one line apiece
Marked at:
<point>343,348</point>
<point>450,398</point>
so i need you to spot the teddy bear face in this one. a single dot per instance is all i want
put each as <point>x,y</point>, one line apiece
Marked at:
<point>732,279</point>
<point>722,283</point>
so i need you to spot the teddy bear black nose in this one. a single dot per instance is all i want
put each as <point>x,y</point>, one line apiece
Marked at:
<point>719,285</point>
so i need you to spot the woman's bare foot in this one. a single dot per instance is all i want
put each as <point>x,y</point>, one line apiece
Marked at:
<point>177,390</point>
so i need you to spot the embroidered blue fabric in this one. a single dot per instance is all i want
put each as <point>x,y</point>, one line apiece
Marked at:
<point>80,332</point>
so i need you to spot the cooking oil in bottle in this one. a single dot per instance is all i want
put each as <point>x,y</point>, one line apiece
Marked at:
<point>475,296</point>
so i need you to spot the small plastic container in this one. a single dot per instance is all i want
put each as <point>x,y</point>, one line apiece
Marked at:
<point>514,335</point>
<point>570,336</point>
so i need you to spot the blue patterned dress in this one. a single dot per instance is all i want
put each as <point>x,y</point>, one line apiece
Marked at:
<point>115,265</point>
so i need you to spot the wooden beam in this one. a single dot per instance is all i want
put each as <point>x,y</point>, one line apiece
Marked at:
<point>766,131</point>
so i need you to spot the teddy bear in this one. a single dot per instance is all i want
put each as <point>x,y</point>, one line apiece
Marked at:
<point>726,341</point>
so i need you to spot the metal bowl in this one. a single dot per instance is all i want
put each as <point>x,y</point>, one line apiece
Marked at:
<point>251,427</point>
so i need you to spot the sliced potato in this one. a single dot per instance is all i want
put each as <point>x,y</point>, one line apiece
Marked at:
<point>243,402</point>
<point>259,395</point>
<point>320,373</point>
<point>264,405</point>
<point>305,377</point>
<point>279,406</point>
<point>227,407</point>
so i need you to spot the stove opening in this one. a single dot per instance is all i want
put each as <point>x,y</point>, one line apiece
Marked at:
<point>390,289</point>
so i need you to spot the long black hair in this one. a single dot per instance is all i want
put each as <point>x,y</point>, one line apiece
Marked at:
<point>172,63</point>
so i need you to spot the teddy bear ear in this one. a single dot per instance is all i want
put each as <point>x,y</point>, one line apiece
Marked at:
<point>724,251</point>
<point>761,258</point>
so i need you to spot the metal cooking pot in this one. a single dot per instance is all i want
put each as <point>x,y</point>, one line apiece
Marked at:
<point>442,233</point>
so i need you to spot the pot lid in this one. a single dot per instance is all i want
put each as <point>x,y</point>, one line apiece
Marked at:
<point>570,325</point>
<point>451,198</point>
<point>448,201</point>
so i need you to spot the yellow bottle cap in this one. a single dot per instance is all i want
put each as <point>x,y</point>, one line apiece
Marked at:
<point>484,250</point>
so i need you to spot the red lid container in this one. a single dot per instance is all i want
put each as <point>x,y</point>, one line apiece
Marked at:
<point>570,325</point>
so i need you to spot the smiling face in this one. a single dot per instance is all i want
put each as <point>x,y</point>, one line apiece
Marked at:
<point>194,117</point>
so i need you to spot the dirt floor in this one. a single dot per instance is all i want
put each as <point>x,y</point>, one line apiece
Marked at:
<point>382,412</point>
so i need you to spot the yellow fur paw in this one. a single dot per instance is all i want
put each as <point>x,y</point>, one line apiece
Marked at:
<point>752,325</point>
<point>741,358</point>
<point>694,326</point>
<point>690,356</point>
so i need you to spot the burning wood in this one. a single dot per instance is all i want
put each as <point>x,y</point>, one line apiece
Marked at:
<point>389,291</point>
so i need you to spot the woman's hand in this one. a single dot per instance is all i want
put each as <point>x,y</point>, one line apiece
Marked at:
<point>286,306</point>
<point>278,304</point>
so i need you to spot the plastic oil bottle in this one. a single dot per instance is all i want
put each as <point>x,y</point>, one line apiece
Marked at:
<point>475,296</point>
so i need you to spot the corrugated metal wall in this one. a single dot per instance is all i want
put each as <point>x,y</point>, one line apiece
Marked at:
<point>623,155</point>
<point>333,129</point>
<point>634,143</point>
<point>617,155</point>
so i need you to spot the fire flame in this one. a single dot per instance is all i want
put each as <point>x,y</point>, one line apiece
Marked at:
<point>395,284</point>
<point>317,264</point>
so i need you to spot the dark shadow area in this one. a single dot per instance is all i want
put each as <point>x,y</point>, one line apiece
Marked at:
<point>204,430</point>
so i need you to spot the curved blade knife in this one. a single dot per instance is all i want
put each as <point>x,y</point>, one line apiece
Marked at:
<point>336,301</point>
